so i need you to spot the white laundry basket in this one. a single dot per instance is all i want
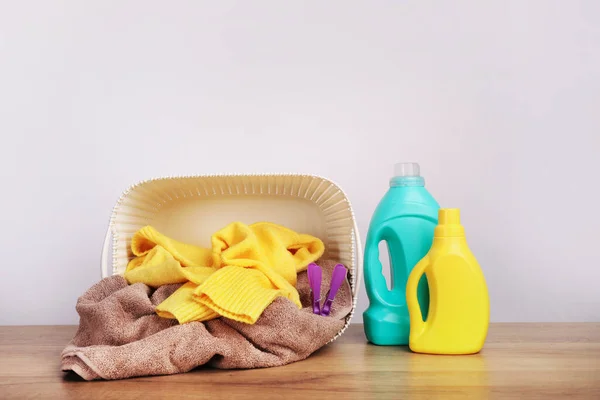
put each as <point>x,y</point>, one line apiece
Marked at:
<point>191,208</point>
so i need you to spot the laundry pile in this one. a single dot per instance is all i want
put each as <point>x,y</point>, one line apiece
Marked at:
<point>246,302</point>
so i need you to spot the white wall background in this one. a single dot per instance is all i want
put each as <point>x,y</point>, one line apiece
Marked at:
<point>498,101</point>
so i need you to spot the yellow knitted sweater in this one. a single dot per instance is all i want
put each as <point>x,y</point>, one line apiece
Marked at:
<point>247,267</point>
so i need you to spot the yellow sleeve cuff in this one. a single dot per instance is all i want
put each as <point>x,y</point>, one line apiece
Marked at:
<point>182,307</point>
<point>240,294</point>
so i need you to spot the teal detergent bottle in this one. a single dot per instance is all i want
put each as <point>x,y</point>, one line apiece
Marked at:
<point>405,218</point>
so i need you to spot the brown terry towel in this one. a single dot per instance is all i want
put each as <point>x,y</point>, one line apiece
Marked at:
<point>120,335</point>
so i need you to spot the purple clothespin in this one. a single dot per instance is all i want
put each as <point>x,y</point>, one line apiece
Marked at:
<point>337,277</point>
<point>314,280</point>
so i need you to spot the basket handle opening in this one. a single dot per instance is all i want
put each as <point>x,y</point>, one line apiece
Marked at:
<point>358,270</point>
<point>104,258</point>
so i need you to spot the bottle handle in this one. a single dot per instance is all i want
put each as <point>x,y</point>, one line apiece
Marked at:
<point>412,301</point>
<point>375,284</point>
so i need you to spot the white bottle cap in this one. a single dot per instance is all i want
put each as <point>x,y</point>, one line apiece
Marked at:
<point>407,169</point>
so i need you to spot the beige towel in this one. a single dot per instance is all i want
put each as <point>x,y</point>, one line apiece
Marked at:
<point>120,335</point>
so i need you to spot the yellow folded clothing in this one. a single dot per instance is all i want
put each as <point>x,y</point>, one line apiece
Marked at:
<point>247,267</point>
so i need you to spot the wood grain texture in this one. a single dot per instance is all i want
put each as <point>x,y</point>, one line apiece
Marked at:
<point>519,361</point>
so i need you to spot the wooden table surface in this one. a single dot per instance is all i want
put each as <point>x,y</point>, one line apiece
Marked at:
<point>519,361</point>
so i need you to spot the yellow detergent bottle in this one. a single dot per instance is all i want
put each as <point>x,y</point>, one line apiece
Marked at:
<point>459,305</point>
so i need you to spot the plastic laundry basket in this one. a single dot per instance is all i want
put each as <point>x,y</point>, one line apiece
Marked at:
<point>192,208</point>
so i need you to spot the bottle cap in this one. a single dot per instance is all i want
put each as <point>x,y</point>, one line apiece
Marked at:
<point>449,223</point>
<point>407,169</point>
<point>449,216</point>
<point>407,174</point>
